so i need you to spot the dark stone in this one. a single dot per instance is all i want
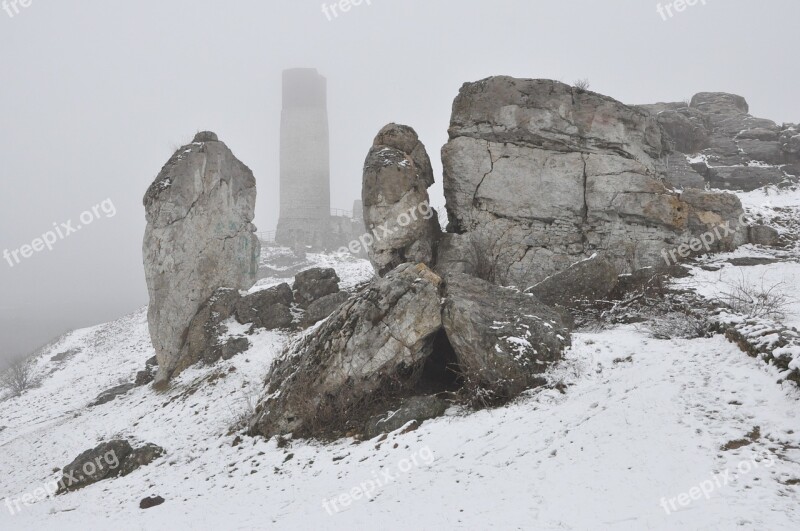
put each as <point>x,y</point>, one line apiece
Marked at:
<point>140,457</point>
<point>269,308</point>
<point>503,339</point>
<point>111,394</point>
<point>144,377</point>
<point>152,501</point>
<point>321,308</point>
<point>752,261</point>
<point>99,463</point>
<point>764,235</point>
<point>313,284</point>
<point>205,136</point>
<point>64,356</point>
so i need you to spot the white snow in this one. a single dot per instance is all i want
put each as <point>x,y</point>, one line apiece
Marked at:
<point>640,422</point>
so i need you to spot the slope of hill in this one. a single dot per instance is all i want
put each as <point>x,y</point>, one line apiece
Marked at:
<point>633,433</point>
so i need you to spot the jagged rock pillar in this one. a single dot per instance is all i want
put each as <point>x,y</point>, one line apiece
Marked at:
<point>199,238</point>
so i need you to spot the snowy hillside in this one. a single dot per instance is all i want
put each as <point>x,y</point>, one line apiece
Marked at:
<point>632,433</point>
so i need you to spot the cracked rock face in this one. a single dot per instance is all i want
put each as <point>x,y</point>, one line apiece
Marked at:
<point>539,175</point>
<point>199,238</point>
<point>503,339</point>
<point>397,213</point>
<point>374,342</point>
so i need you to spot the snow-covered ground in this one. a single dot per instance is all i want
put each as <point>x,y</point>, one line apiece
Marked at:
<point>645,434</point>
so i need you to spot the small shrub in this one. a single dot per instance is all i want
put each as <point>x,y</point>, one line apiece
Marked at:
<point>582,84</point>
<point>240,418</point>
<point>757,299</point>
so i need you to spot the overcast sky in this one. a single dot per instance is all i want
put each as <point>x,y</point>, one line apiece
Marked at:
<point>96,94</point>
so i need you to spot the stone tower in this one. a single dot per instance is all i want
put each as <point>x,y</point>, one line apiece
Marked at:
<point>305,214</point>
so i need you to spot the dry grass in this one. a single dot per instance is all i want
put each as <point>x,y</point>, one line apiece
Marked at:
<point>759,299</point>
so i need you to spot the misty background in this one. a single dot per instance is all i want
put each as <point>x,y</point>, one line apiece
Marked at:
<point>97,94</point>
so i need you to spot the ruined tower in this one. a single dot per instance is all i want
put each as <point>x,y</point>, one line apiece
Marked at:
<point>305,213</point>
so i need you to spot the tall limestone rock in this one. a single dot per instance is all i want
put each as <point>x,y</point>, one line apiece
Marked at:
<point>199,238</point>
<point>397,211</point>
<point>539,175</point>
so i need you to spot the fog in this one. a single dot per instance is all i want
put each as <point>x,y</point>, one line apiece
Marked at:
<point>97,94</point>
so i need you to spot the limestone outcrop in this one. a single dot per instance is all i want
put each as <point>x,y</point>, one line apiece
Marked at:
<point>539,175</point>
<point>199,238</point>
<point>397,213</point>
<point>729,148</point>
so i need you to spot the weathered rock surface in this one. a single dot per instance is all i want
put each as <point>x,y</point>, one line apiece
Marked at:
<point>111,394</point>
<point>591,279</point>
<point>321,308</point>
<point>371,347</point>
<point>269,308</point>
<point>503,339</point>
<point>764,235</point>
<point>678,173</point>
<point>739,151</point>
<point>397,212</point>
<point>103,461</point>
<point>199,238</point>
<point>107,460</point>
<point>150,502</point>
<point>139,457</point>
<point>538,176</point>
<point>313,284</point>
<point>203,344</point>
<point>417,408</point>
<point>147,375</point>
<point>209,336</point>
<point>687,129</point>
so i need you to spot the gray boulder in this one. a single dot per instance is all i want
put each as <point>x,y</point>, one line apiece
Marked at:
<point>107,460</point>
<point>111,394</point>
<point>139,457</point>
<point>720,103</point>
<point>269,308</point>
<point>764,235</point>
<point>402,226</point>
<point>503,339</point>
<point>417,408</point>
<point>321,308</point>
<point>313,284</point>
<point>148,374</point>
<point>99,463</point>
<point>365,352</point>
<point>199,238</point>
<point>591,279</point>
